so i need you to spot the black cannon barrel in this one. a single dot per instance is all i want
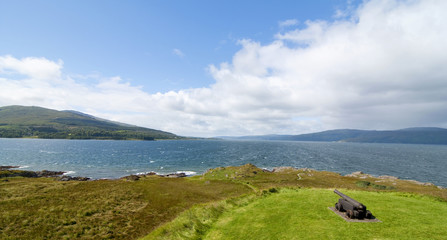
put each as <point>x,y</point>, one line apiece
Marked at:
<point>352,201</point>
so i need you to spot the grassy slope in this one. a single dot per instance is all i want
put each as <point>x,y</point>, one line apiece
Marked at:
<point>47,209</point>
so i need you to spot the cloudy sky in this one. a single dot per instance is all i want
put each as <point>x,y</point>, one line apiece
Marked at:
<point>210,68</point>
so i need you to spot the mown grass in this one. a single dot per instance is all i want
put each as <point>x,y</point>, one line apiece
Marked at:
<point>304,214</point>
<point>197,221</point>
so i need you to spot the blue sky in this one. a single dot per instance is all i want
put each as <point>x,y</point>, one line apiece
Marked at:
<point>209,68</point>
<point>160,45</point>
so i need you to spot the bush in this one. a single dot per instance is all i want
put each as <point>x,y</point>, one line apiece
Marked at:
<point>363,184</point>
<point>366,184</point>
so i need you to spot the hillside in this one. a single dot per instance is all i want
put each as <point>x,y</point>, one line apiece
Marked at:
<point>37,122</point>
<point>422,135</point>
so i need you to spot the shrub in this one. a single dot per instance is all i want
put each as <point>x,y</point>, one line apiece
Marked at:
<point>363,184</point>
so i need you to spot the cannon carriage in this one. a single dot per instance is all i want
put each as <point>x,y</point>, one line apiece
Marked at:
<point>353,208</point>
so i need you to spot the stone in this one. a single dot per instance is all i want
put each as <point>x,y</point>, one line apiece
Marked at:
<point>70,178</point>
<point>46,173</point>
<point>421,183</point>
<point>8,167</point>
<point>388,177</point>
<point>174,175</point>
<point>359,174</point>
<point>283,169</point>
<point>131,178</point>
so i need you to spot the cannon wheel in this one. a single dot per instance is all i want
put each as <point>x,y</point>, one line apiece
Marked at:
<point>350,214</point>
<point>368,214</point>
<point>339,207</point>
<point>355,214</point>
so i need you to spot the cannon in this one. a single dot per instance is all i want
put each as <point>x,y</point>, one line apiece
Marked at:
<point>353,208</point>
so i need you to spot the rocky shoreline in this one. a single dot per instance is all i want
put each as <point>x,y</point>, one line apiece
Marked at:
<point>6,171</point>
<point>387,178</point>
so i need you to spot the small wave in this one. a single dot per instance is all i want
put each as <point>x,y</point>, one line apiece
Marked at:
<point>24,166</point>
<point>49,152</point>
<point>151,161</point>
<point>69,172</point>
<point>144,173</point>
<point>188,173</point>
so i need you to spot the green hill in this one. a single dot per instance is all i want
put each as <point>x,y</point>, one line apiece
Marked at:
<point>37,122</point>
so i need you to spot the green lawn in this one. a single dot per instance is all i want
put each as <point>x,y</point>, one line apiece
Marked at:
<point>304,214</point>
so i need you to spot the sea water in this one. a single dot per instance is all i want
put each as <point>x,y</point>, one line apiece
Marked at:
<point>113,159</point>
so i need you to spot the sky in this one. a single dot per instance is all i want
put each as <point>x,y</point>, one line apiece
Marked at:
<point>219,68</point>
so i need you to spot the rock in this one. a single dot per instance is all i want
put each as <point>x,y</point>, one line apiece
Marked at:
<point>388,177</point>
<point>359,174</point>
<point>46,173</point>
<point>18,173</point>
<point>441,187</point>
<point>70,178</point>
<point>131,178</point>
<point>8,167</point>
<point>146,174</point>
<point>420,183</point>
<point>306,169</point>
<point>174,175</point>
<point>283,169</point>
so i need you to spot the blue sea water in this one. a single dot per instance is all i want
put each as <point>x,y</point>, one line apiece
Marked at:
<point>114,159</point>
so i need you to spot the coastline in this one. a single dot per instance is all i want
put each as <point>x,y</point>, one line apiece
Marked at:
<point>10,171</point>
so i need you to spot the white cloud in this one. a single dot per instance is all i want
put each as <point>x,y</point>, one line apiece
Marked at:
<point>288,23</point>
<point>381,68</point>
<point>36,68</point>
<point>178,52</point>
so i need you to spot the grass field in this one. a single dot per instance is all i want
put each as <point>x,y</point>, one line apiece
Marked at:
<point>304,214</point>
<point>225,203</point>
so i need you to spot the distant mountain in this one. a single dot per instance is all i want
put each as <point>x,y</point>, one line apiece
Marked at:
<point>38,122</point>
<point>420,135</point>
